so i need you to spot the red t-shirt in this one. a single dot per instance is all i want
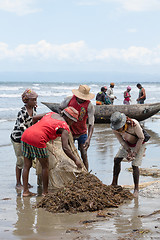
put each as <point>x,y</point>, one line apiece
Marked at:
<point>43,131</point>
<point>80,127</point>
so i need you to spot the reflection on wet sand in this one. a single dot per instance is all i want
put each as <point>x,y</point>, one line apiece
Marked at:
<point>104,138</point>
<point>130,220</point>
<point>25,224</point>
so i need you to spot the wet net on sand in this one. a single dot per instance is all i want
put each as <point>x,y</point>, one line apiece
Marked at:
<point>85,193</point>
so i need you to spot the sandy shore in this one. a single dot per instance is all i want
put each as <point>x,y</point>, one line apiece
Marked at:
<point>132,220</point>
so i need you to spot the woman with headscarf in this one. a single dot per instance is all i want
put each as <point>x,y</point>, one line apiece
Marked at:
<point>127,96</point>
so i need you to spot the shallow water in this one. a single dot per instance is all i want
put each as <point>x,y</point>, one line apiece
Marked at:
<point>20,220</point>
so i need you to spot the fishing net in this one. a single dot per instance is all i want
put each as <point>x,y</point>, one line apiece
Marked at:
<point>61,168</point>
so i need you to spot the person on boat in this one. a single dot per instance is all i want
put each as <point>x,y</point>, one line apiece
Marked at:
<point>34,139</point>
<point>81,102</point>
<point>102,97</point>
<point>142,94</point>
<point>130,135</point>
<point>127,96</point>
<point>110,93</point>
<point>23,121</point>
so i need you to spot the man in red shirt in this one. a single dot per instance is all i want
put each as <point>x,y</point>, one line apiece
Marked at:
<point>34,140</point>
<point>81,102</point>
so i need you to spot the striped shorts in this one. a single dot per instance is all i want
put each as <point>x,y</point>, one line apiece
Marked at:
<point>32,152</point>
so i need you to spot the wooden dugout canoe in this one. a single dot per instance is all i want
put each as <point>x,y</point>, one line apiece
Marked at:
<point>104,112</point>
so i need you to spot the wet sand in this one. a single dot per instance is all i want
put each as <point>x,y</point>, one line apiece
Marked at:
<point>20,220</point>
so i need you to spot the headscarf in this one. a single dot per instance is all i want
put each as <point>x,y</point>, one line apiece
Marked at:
<point>28,93</point>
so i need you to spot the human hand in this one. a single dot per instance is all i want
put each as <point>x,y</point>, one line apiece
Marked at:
<point>78,163</point>
<point>129,156</point>
<point>86,144</point>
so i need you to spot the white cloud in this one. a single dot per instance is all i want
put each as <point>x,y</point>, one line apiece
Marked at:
<point>20,7</point>
<point>87,2</point>
<point>140,5</point>
<point>129,5</point>
<point>132,30</point>
<point>79,52</point>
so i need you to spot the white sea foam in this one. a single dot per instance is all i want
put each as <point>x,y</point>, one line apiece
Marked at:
<point>9,109</point>
<point>10,95</point>
<point>6,88</point>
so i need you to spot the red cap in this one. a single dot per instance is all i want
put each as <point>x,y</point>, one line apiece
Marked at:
<point>72,113</point>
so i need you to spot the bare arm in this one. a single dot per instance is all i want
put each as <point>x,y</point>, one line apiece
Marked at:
<point>36,118</point>
<point>91,111</point>
<point>144,94</point>
<point>66,148</point>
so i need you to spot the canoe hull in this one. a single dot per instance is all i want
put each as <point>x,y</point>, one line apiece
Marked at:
<point>104,112</point>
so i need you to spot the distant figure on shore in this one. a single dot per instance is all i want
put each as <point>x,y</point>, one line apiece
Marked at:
<point>142,94</point>
<point>23,121</point>
<point>81,102</point>
<point>127,96</point>
<point>130,135</point>
<point>102,97</point>
<point>110,93</point>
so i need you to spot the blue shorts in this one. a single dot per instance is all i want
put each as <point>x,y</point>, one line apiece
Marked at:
<point>81,139</point>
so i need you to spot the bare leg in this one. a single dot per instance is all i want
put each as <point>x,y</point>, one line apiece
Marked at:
<point>116,170</point>
<point>84,156</point>
<point>136,180</point>
<point>26,169</point>
<point>18,178</point>
<point>44,164</point>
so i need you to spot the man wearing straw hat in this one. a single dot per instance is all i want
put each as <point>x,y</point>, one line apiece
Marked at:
<point>81,102</point>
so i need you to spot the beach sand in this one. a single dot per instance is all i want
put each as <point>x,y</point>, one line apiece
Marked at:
<point>19,219</point>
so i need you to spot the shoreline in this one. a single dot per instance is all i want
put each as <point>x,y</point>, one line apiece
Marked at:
<point>19,220</point>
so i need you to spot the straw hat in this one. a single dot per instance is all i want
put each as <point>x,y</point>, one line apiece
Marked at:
<point>71,113</point>
<point>118,120</point>
<point>83,92</point>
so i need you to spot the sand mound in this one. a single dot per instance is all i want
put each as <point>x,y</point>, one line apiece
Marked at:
<point>86,193</point>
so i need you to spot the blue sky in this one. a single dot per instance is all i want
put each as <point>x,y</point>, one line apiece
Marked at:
<point>80,35</point>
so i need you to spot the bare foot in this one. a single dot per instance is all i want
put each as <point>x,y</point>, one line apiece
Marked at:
<point>135,194</point>
<point>30,186</point>
<point>28,194</point>
<point>19,186</point>
<point>44,194</point>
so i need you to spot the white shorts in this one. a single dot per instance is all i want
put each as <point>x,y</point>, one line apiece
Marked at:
<point>122,153</point>
<point>18,153</point>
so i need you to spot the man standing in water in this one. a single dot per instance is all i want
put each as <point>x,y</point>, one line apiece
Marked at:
<point>142,94</point>
<point>110,93</point>
<point>130,135</point>
<point>81,102</point>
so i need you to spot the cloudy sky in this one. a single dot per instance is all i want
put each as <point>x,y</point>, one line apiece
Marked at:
<point>80,35</point>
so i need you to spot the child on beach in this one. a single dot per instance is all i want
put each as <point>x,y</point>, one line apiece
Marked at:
<point>24,120</point>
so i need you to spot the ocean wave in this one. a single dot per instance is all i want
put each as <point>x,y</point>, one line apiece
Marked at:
<point>5,88</point>
<point>9,109</point>
<point>10,95</point>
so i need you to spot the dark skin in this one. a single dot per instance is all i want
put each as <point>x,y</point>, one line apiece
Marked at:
<point>144,93</point>
<point>116,171</point>
<point>84,147</point>
<point>44,161</point>
<point>117,168</point>
<point>30,104</point>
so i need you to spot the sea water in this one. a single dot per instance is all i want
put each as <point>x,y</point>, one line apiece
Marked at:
<point>10,94</point>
